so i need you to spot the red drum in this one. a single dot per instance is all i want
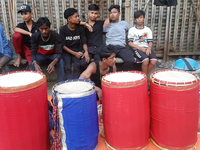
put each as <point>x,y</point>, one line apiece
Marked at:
<point>24,122</point>
<point>126,114</point>
<point>174,109</point>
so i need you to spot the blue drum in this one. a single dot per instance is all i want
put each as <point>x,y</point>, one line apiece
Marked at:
<point>77,111</point>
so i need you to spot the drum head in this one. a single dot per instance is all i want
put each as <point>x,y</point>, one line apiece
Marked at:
<point>124,77</point>
<point>19,79</point>
<point>174,78</point>
<point>74,87</point>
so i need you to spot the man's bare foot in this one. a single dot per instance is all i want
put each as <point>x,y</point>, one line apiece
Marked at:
<point>17,62</point>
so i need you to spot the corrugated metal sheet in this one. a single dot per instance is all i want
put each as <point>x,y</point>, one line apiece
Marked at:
<point>175,29</point>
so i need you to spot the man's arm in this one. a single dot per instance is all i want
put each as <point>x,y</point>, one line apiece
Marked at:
<point>91,69</point>
<point>76,54</point>
<point>83,39</point>
<point>16,29</point>
<point>86,25</point>
<point>131,44</point>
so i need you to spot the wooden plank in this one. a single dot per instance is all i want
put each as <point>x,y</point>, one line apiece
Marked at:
<point>189,36</point>
<point>176,25</point>
<point>63,10</point>
<point>71,4</point>
<point>146,10</point>
<point>196,11</point>
<point>183,53</point>
<point>5,21</point>
<point>50,14</point>
<point>120,4</point>
<point>196,36</point>
<point>153,17</point>
<point>86,10</point>
<point>159,26</point>
<point>93,1</point>
<point>101,10</point>
<point>166,34</point>
<point>34,10</point>
<point>41,8</point>
<point>116,2</point>
<point>25,2</point>
<point>183,25</point>
<point>127,11</point>
<point>14,13</point>
<point>79,9</point>
<point>57,14</point>
<point>170,26</point>
<point>10,16</point>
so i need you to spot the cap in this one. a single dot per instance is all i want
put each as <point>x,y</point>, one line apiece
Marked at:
<point>24,8</point>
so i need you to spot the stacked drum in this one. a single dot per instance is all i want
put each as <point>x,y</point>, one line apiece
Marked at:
<point>23,111</point>
<point>174,109</point>
<point>126,114</point>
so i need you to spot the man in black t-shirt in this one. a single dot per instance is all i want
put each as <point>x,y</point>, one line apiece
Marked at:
<point>46,45</point>
<point>22,36</point>
<point>73,36</point>
<point>94,38</point>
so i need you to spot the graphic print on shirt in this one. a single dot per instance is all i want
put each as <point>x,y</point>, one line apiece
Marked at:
<point>70,38</point>
<point>47,49</point>
<point>141,39</point>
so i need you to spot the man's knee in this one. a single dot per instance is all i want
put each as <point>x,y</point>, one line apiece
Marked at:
<point>17,35</point>
<point>153,61</point>
<point>145,62</point>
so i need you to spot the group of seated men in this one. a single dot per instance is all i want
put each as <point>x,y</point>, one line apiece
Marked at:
<point>79,42</point>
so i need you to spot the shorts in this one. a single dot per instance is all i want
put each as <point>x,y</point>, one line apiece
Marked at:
<point>142,56</point>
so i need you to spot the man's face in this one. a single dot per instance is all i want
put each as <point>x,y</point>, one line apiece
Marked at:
<point>44,30</point>
<point>140,20</point>
<point>114,15</point>
<point>74,18</point>
<point>26,16</point>
<point>93,14</point>
<point>111,60</point>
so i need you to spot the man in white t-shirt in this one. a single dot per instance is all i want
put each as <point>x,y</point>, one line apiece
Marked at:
<point>141,40</point>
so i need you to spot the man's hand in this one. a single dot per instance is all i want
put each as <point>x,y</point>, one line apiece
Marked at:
<point>77,55</point>
<point>88,27</point>
<point>37,67</point>
<point>86,55</point>
<point>1,64</point>
<point>148,51</point>
<point>143,49</point>
<point>30,34</point>
<point>51,68</point>
<point>99,93</point>
<point>106,23</point>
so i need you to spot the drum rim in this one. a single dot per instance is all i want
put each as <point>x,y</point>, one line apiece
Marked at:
<point>124,84</point>
<point>166,83</point>
<point>23,87</point>
<point>74,95</point>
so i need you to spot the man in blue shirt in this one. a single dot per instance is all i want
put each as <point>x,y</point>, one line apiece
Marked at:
<point>6,53</point>
<point>116,36</point>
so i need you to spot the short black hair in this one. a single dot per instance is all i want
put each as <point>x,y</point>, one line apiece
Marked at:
<point>69,12</point>
<point>114,6</point>
<point>106,51</point>
<point>93,7</point>
<point>43,21</point>
<point>139,13</point>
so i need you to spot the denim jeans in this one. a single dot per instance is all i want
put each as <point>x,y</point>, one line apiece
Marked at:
<point>40,58</point>
<point>68,58</point>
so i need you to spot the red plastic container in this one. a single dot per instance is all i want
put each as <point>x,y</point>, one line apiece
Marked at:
<point>24,122</point>
<point>126,114</point>
<point>174,109</point>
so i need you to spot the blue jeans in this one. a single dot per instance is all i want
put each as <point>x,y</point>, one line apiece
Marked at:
<point>40,58</point>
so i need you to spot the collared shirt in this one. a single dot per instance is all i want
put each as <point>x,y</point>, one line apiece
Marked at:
<point>27,38</point>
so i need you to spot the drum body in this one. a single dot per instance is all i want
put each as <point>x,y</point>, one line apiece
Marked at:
<point>77,110</point>
<point>174,109</point>
<point>126,114</point>
<point>24,111</point>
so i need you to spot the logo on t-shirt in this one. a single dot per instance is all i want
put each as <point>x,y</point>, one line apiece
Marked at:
<point>70,38</point>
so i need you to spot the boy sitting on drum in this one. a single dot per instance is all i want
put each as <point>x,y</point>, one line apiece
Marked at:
<point>141,40</point>
<point>46,45</point>
<point>96,72</point>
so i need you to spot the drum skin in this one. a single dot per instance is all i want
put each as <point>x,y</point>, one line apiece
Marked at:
<point>24,122</point>
<point>78,118</point>
<point>174,115</point>
<point>126,113</point>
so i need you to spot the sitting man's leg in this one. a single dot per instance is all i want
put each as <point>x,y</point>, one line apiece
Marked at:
<point>126,56</point>
<point>153,61</point>
<point>67,58</point>
<point>77,67</point>
<point>4,60</point>
<point>18,43</point>
<point>40,58</point>
<point>61,72</point>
